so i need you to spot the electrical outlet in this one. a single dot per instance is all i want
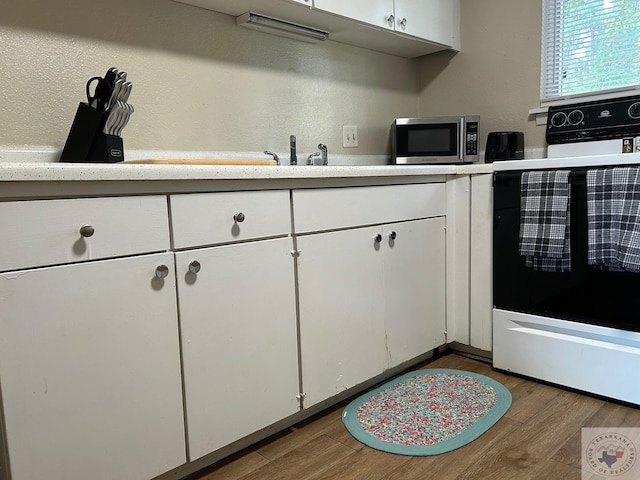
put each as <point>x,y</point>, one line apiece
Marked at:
<point>349,136</point>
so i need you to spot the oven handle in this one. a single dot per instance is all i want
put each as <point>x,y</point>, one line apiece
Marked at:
<point>575,174</point>
<point>461,138</point>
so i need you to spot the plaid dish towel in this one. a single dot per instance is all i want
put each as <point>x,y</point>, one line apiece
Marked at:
<point>545,220</point>
<point>613,215</point>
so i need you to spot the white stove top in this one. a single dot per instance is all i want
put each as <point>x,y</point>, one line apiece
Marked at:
<point>569,162</point>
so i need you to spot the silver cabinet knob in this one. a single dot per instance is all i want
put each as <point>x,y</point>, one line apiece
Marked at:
<point>392,235</point>
<point>239,217</point>
<point>377,238</point>
<point>162,271</point>
<point>194,267</point>
<point>390,20</point>
<point>87,231</point>
<point>403,23</point>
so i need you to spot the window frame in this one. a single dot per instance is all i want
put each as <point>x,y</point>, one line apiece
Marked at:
<point>550,28</point>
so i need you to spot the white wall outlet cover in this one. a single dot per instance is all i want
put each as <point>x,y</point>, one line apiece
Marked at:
<point>349,136</point>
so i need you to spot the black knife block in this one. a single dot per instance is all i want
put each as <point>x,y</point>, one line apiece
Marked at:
<point>87,143</point>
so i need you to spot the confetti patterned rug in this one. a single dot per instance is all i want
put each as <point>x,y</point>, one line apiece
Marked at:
<point>427,412</point>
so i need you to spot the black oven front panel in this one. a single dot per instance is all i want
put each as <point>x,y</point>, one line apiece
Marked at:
<point>585,294</point>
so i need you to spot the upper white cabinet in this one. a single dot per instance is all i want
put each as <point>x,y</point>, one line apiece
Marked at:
<point>431,20</point>
<point>373,12</point>
<point>405,28</point>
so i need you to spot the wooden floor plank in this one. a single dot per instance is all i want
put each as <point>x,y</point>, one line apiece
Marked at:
<point>539,437</point>
<point>306,462</point>
<point>365,464</point>
<point>309,429</point>
<point>237,467</point>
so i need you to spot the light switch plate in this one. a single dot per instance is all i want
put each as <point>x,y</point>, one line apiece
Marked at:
<point>349,136</point>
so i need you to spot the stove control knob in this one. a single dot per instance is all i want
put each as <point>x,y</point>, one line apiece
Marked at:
<point>634,110</point>
<point>559,119</point>
<point>575,118</point>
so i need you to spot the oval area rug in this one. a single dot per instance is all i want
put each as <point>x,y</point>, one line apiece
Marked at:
<point>427,412</point>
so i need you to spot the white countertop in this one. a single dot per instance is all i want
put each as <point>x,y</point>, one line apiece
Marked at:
<point>92,172</point>
<point>50,172</point>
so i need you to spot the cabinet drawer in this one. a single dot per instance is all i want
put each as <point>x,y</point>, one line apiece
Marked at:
<point>48,232</point>
<point>333,208</point>
<point>211,218</point>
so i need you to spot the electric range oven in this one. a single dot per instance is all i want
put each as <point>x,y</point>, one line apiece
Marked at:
<point>579,329</point>
<point>579,326</point>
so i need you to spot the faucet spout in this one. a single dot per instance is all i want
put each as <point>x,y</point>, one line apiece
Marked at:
<point>323,154</point>
<point>293,159</point>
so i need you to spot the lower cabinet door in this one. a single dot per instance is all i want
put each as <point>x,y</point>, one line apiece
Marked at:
<point>414,266</point>
<point>340,278</point>
<point>238,326</point>
<point>90,370</point>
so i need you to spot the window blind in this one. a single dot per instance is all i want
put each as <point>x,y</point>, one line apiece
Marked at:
<point>589,46</point>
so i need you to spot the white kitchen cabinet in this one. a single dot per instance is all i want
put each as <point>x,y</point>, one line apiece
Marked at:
<point>481,263</point>
<point>38,233</point>
<point>433,20</point>
<point>429,26</point>
<point>469,260</point>
<point>373,12</point>
<point>414,276</point>
<point>341,286</point>
<point>368,301</point>
<point>90,370</point>
<point>237,314</point>
<point>199,219</point>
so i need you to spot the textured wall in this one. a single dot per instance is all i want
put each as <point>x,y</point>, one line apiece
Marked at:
<point>200,82</point>
<point>496,73</point>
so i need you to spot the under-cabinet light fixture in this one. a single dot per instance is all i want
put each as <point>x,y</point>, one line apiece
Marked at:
<point>281,28</point>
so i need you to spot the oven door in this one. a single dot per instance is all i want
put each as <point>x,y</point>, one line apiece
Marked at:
<point>585,294</point>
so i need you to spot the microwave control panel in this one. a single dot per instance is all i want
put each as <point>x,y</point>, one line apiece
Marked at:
<point>471,138</point>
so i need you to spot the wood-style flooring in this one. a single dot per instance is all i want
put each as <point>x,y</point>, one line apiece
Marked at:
<point>538,438</point>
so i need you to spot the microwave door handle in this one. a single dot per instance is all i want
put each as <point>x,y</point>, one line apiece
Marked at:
<point>461,127</point>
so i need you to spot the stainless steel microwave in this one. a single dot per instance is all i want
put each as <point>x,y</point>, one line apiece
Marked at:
<point>445,139</point>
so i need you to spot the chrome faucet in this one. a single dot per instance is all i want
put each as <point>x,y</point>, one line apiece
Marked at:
<point>275,156</point>
<point>293,159</point>
<point>311,158</point>
<point>323,154</point>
